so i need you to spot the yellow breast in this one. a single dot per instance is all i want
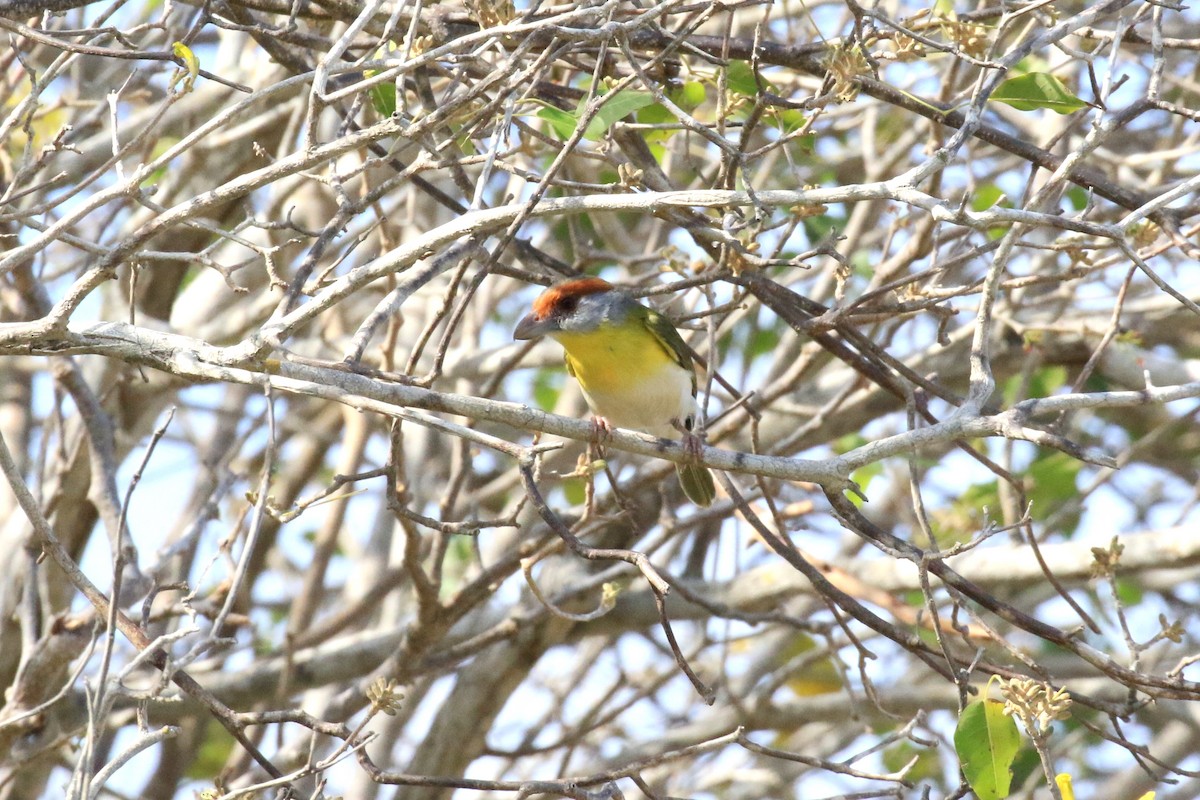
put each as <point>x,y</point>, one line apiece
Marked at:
<point>629,378</point>
<point>613,358</point>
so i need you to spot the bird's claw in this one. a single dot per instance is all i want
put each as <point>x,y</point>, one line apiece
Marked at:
<point>602,430</point>
<point>693,445</point>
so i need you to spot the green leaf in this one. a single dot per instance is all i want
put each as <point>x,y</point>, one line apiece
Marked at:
<point>847,443</point>
<point>918,763</point>
<point>818,227</point>
<point>655,114</point>
<point>562,123</point>
<point>1078,197</point>
<point>383,98</point>
<point>1037,90</point>
<point>161,146</point>
<point>689,96</point>
<point>1047,380</point>
<point>547,385</point>
<point>1026,763</point>
<point>961,520</point>
<point>1043,383</point>
<point>1129,592</point>
<point>762,340</point>
<point>213,753</point>
<point>862,265</point>
<point>789,120</point>
<point>616,107</point>
<point>985,197</point>
<point>574,490</point>
<point>1052,476</point>
<point>740,79</point>
<point>383,95</point>
<point>465,144</point>
<point>987,741</point>
<point>863,477</point>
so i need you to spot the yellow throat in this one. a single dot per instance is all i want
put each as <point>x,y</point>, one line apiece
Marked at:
<point>614,358</point>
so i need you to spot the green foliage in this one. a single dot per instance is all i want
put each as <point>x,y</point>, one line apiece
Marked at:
<point>864,475</point>
<point>739,77</point>
<point>961,520</point>
<point>987,742</point>
<point>1050,480</point>
<point>617,106</point>
<point>575,490</point>
<point>1078,197</point>
<point>1036,90</point>
<point>1049,483</point>
<point>788,121</point>
<point>213,753</point>
<point>383,95</point>
<point>164,144</point>
<point>762,341</point>
<point>986,196</point>
<point>1025,765</point>
<point>810,676</point>
<point>862,264</point>
<point>689,96</point>
<point>926,767</point>
<point>1129,592</point>
<point>1043,383</point>
<point>460,558</point>
<point>562,123</point>
<point>383,98</point>
<point>547,386</point>
<point>816,228</point>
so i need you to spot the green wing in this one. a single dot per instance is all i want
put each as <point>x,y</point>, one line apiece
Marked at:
<point>666,335</point>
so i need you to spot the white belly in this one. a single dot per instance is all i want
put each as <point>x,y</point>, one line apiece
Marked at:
<point>652,405</point>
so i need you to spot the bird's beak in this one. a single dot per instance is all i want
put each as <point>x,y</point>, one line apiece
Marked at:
<point>532,328</point>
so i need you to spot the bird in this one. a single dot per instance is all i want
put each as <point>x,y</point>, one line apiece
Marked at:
<point>633,366</point>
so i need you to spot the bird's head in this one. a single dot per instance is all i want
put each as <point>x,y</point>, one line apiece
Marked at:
<point>576,306</point>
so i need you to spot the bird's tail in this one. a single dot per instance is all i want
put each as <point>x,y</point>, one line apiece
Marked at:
<point>697,483</point>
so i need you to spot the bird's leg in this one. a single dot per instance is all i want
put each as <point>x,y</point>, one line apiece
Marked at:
<point>601,433</point>
<point>601,430</point>
<point>692,443</point>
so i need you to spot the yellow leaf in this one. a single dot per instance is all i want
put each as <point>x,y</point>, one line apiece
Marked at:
<point>1064,786</point>
<point>46,124</point>
<point>811,675</point>
<point>191,64</point>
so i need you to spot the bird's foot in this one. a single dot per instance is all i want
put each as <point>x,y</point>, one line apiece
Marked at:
<point>693,445</point>
<point>601,430</point>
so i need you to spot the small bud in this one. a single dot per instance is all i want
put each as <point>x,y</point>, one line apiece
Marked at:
<point>1106,559</point>
<point>385,696</point>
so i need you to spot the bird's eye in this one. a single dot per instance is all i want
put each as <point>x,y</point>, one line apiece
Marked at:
<point>568,304</point>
